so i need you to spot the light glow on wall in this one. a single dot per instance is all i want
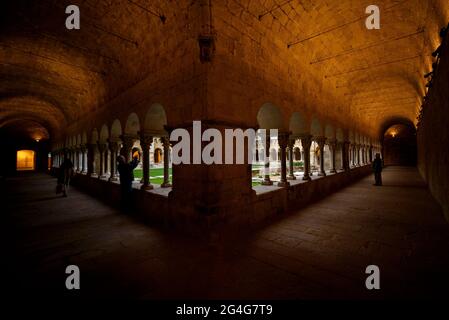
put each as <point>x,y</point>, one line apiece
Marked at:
<point>25,160</point>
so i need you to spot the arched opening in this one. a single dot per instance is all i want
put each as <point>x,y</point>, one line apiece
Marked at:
<point>269,117</point>
<point>399,145</point>
<point>26,160</point>
<point>158,155</point>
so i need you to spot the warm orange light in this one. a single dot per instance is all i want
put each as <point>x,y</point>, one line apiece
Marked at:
<point>25,160</point>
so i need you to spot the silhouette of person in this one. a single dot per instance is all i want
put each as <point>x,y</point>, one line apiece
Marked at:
<point>126,180</point>
<point>64,175</point>
<point>377,169</point>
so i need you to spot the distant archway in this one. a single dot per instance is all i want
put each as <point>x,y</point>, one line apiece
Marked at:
<point>399,145</point>
<point>25,160</point>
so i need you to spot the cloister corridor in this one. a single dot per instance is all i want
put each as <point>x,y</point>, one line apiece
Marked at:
<point>320,251</point>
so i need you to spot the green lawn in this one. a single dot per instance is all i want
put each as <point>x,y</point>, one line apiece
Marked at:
<point>154,172</point>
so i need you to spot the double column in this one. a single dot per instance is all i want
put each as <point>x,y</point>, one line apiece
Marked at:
<point>291,145</point>
<point>321,141</point>
<point>306,142</point>
<point>145,143</point>
<point>83,150</point>
<point>266,180</point>
<point>333,149</point>
<point>166,144</point>
<point>113,147</point>
<point>283,141</point>
<point>92,150</point>
<point>102,149</point>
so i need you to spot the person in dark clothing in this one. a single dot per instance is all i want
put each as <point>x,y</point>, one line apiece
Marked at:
<point>126,180</point>
<point>64,175</point>
<point>377,169</point>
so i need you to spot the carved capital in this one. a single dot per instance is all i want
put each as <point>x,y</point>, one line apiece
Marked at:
<point>306,141</point>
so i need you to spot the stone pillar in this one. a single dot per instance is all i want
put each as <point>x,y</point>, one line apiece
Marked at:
<point>113,147</point>
<point>333,149</point>
<point>345,155</point>
<point>102,151</point>
<point>306,141</point>
<point>83,159</point>
<point>128,142</point>
<point>166,144</point>
<point>370,154</point>
<point>145,143</point>
<point>91,151</point>
<point>357,149</point>
<point>291,145</point>
<point>283,141</point>
<point>266,180</point>
<point>321,141</point>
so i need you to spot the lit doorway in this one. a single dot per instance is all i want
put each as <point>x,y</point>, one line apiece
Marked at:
<point>25,160</point>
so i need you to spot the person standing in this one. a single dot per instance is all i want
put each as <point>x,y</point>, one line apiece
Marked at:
<point>126,180</point>
<point>377,169</point>
<point>64,176</point>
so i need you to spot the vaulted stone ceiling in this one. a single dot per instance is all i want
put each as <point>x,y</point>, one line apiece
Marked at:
<point>53,77</point>
<point>377,75</point>
<point>56,76</point>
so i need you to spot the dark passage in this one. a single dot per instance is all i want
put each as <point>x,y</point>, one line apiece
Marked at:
<point>319,252</point>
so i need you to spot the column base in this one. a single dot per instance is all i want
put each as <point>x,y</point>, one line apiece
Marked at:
<point>112,179</point>
<point>267,183</point>
<point>166,185</point>
<point>93,175</point>
<point>291,178</point>
<point>333,171</point>
<point>321,174</point>
<point>306,178</point>
<point>102,177</point>
<point>283,184</point>
<point>147,187</point>
<point>83,172</point>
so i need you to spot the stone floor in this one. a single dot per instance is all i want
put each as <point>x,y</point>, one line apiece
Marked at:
<point>320,251</point>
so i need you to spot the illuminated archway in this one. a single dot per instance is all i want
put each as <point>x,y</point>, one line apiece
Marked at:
<point>26,160</point>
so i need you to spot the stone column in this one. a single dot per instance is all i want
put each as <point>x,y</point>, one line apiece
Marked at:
<point>76,151</point>
<point>145,143</point>
<point>370,154</point>
<point>357,149</point>
<point>102,150</point>
<point>306,141</point>
<point>283,141</point>
<point>345,155</point>
<point>266,180</point>
<point>128,142</point>
<point>333,149</point>
<point>113,147</point>
<point>321,141</point>
<point>91,151</point>
<point>83,159</point>
<point>291,145</point>
<point>166,144</point>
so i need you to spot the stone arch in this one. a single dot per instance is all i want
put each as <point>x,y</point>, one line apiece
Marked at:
<point>316,129</point>
<point>104,134</point>
<point>116,129</point>
<point>269,116</point>
<point>94,136</point>
<point>156,120</point>
<point>339,136</point>
<point>298,124</point>
<point>329,132</point>
<point>157,155</point>
<point>132,126</point>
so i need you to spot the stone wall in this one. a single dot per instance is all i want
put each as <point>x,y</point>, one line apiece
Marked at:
<point>254,211</point>
<point>433,136</point>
